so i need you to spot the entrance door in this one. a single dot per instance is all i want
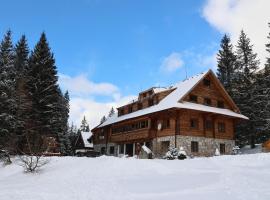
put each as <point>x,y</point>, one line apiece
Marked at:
<point>129,149</point>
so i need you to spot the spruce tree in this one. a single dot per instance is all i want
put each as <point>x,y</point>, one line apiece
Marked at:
<point>246,67</point>
<point>84,125</point>
<point>7,90</point>
<point>226,63</point>
<point>267,65</point>
<point>102,120</point>
<point>62,127</point>
<point>111,113</point>
<point>22,102</point>
<point>43,88</point>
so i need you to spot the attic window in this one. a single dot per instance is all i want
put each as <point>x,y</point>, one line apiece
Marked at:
<point>206,82</point>
<point>207,101</point>
<point>121,112</point>
<point>150,102</point>
<point>193,98</point>
<point>220,104</point>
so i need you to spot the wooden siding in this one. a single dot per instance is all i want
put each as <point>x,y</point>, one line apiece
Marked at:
<point>179,124</point>
<point>156,98</point>
<point>212,92</point>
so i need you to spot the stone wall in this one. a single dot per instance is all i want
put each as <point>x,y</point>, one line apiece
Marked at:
<point>207,146</point>
<point>115,149</point>
<point>97,147</point>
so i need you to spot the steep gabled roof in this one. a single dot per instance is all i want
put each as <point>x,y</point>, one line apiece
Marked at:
<point>85,137</point>
<point>175,100</point>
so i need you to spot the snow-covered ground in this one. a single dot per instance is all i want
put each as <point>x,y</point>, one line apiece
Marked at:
<point>244,177</point>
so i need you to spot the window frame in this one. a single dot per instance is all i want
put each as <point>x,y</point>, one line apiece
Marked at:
<point>111,150</point>
<point>221,127</point>
<point>206,82</point>
<point>222,148</point>
<point>207,101</point>
<point>220,104</point>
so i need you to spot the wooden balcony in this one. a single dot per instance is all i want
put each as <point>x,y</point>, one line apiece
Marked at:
<point>131,136</point>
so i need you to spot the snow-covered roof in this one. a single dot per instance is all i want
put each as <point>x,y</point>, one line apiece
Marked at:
<point>172,101</point>
<point>85,137</point>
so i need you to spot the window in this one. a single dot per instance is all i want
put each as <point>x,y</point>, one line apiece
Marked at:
<point>194,147</point>
<point>130,109</point>
<point>111,149</point>
<point>222,148</point>
<point>221,127</point>
<point>102,150</point>
<point>144,95</point>
<point>139,106</point>
<point>220,104</point>
<point>208,124</point>
<point>206,82</point>
<point>207,101</point>
<point>193,123</point>
<point>121,111</point>
<point>121,149</point>
<point>150,102</point>
<point>193,98</point>
<point>143,124</point>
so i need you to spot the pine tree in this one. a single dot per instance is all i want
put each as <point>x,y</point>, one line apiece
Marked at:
<point>246,67</point>
<point>43,88</point>
<point>111,113</point>
<point>7,90</point>
<point>226,63</point>
<point>102,120</point>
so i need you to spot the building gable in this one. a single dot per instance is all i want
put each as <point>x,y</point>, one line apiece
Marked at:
<point>209,91</point>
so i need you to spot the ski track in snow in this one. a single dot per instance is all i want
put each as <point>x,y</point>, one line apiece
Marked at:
<point>241,177</point>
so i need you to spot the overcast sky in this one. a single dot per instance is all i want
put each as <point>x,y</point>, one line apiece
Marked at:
<point>108,50</point>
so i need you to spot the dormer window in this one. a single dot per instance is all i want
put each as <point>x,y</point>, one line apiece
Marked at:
<point>130,109</point>
<point>206,82</point>
<point>120,112</point>
<point>150,102</point>
<point>193,98</point>
<point>207,101</point>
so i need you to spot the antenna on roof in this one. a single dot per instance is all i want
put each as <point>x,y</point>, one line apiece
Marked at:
<point>185,71</point>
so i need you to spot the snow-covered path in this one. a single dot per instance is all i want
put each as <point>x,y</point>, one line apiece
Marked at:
<point>244,177</point>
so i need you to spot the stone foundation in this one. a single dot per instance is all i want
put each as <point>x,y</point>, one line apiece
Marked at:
<point>207,146</point>
<point>98,147</point>
<point>115,149</point>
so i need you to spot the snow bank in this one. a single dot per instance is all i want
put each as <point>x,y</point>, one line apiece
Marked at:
<point>109,178</point>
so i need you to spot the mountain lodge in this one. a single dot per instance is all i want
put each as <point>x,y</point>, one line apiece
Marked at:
<point>196,114</point>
